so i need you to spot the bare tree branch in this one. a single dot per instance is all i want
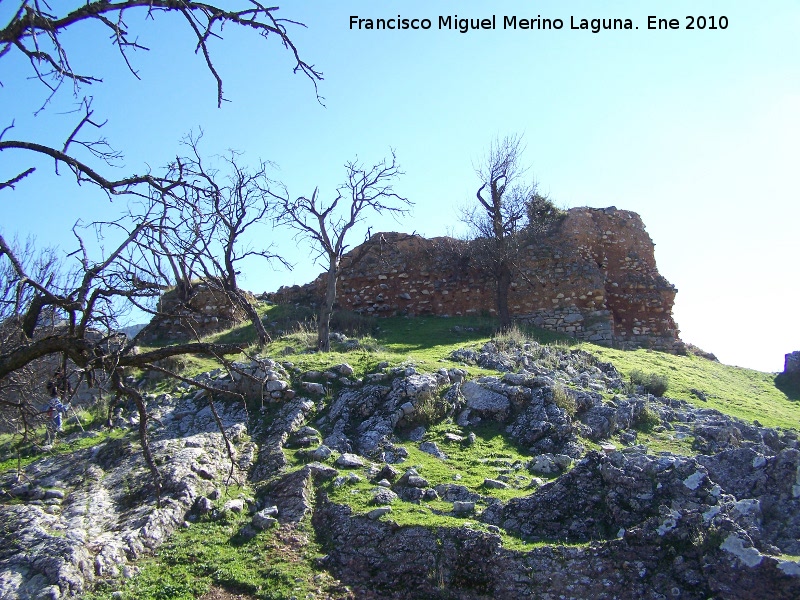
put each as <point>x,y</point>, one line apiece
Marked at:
<point>84,172</point>
<point>509,214</point>
<point>365,190</point>
<point>201,233</point>
<point>14,180</point>
<point>68,313</point>
<point>31,26</point>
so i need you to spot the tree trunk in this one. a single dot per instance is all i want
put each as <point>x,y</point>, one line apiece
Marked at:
<point>255,318</point>
<point>503,285</point>
<point>324,325</point>
<point>184,289</point>
<point>133,394</point>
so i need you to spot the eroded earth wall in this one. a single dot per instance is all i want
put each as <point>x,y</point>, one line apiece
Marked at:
<point>594,278</point>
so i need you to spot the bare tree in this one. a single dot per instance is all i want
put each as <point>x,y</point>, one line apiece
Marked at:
<point>509,214</point>
<point>39,34</point>
<point>326,228</point>
<point>83,300</point>
<point>22,392</point>
<point>198,234</point>
<point>222,206</point>
<point>168,248</point>
<point>82,325</point>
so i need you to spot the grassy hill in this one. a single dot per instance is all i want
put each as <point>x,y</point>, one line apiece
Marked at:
<point>427,342</point>
<point>211,552</point>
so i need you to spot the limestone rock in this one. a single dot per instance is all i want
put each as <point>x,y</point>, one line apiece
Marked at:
<point>265,518</point>
<point>349,461</point>
<point>107,514</point>
<point>384,496</point>
<point>322,453</point>
<point>313,387</point>
<point>416,434</point>
<point>485,402</point>
<point>388,472</point>
<point>452,493</point>
<point>432,449</point>
<point>377,513</point>
<point>495,484</point>
<point>236,505</point>
<point>463,507</point>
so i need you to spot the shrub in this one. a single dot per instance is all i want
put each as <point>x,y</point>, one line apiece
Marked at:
<point>430,410</point>
<point>302,336</point>
<point>365,344</point>
<point>652,383</point>
<point>647,419</point>
<point>564,400</point>
<point>510,338</point>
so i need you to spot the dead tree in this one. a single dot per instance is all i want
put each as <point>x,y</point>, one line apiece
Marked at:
<point>169,248</point>
<point>38,32</point>
<point>83,300</point>
<point>81,329</point>
<point>23,393</point>
<point>223,205</point>
<point>508,215</point>
<point>326,226</point>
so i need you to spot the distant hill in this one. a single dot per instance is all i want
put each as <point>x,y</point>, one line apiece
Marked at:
<point>132,330</point>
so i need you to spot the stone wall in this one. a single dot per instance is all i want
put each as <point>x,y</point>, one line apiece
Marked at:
<point>208,310</point>
<point>595,278</point>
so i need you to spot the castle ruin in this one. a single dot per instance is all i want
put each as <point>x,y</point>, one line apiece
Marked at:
<point>593,278</point>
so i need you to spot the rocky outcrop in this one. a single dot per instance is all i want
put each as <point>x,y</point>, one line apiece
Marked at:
<point>616,523</point>
<point>624,524</point>
<point>769,489</point>
<point>595,278</point>
<point>89,515</point>
<point>672,556</point>
<point>791,368</point>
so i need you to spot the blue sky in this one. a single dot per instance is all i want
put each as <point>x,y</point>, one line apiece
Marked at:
<point>694,130</point>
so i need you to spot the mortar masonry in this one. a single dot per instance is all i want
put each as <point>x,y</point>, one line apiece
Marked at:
<point>594,278</point>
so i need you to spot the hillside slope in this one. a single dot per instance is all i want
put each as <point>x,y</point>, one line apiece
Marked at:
<point>424,460</point>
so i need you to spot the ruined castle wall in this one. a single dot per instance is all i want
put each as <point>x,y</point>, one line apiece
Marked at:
<point>208,311</point>
<point>595,278</point>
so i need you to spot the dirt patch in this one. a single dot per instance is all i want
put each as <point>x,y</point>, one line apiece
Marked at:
<point>218,593</point>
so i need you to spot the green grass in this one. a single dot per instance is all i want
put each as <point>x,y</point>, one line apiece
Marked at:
<point>743,393</point>
<point>18,454</point>
<point>275,564</point>
<point>789,557</point>
<point>426,342</point>
<point>433,514</point>
<point>431,337</point>
<point>511,542</point>
<point>491,456</point>
<point>429,514</point>
<point>666,441</point>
